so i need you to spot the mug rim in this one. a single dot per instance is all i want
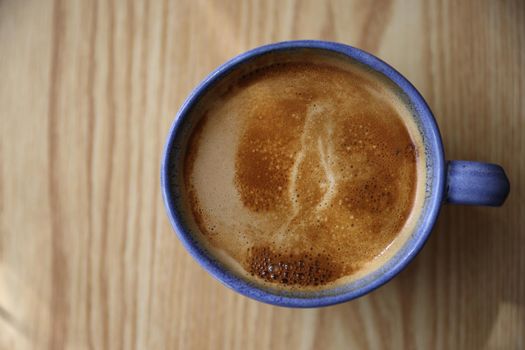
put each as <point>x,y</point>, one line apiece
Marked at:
<point>433,201</point>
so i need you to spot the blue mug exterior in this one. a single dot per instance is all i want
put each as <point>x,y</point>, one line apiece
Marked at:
<point>457,182</point>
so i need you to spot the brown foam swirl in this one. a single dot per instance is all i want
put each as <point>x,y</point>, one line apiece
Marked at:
<point>303,173</point>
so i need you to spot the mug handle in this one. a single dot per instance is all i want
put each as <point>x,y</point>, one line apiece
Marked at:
<point>475,183</point>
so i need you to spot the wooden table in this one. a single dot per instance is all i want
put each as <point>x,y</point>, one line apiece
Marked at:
<point>88,90</point>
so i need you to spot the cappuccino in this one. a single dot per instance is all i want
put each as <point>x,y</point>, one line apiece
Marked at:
<point>304,172</point>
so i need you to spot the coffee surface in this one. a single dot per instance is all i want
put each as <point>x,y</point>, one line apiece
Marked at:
<point>301,173</point>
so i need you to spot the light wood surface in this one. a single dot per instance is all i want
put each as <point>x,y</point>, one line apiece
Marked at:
<point>88,90</point>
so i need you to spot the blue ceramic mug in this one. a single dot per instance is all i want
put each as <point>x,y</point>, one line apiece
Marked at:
<point>457,182</point>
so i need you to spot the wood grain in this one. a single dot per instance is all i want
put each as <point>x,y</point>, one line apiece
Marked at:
<point>88,90</point>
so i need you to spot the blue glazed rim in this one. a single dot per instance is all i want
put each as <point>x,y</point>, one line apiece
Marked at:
<point>434,192</point>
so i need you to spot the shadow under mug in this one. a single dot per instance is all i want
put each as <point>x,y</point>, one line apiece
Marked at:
<point>457,182</point>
